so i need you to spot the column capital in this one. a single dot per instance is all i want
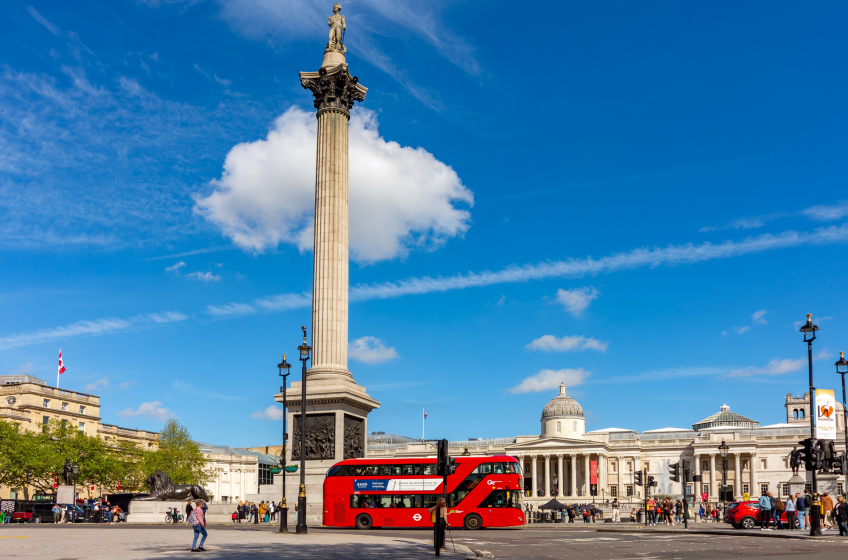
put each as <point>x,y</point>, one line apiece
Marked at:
<point>334,89</point>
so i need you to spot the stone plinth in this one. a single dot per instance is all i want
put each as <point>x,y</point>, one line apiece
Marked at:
<point>796,485</point>
<point>827,483</point>
<point>65,495</point>
<point>144,512</point>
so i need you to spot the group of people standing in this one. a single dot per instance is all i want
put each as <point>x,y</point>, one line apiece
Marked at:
<point>798,508</point>
<point>262,513</point>
<point>665,511</point>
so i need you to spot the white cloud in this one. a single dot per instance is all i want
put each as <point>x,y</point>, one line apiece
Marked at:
<point>204,276</point>
<point>281,302</point>
<point>748,223</point>
<point>127,384</point>
<point>502,300</point>
<point>153,410</point>
<point>270,413</point>
<point>230,309</point>
<point>576,301</point>
<point>741,330</point>
<point>774,367</point>
<point>758,317</point>
<point>550,379</point>
<point>550,343</point>
<point>370,350</point>
<point>96,327</point>
<point>401,198</point>
<point>176,268</point>
<point>823,355</point>
<point>167,317</point>
<point>100,383</point>
<point>825,213</point>
<point>671,255</point>
<point>723,333</point>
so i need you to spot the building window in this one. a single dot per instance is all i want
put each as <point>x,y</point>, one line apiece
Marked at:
<point>82,409</point>
<point>785,489</point>
<point>613,467</point>
<point>808,488</point>
<point>265,476</point>
<point>64,406</point>
<point>614,491</point>
<point>64,422</point>
<point>629,488</point>
<point>224,499</point>
<point>149,444</point>
<point>763,488</point>
<point>839,488</point>
<point>688,489</point>
<point>629,466</point>
<point>705,489</point>
<point>801,413</point>
<point>795,413</point>
<point>82,426</point>
<point>45,420</point>
<point>46,403</point>
<point>745,489</point>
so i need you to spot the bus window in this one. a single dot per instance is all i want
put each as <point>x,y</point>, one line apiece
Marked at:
<point>513,468</point>
<point>396,470</point>
<point>428,469</point>
<point>358,470</point>
<point>498,468</point>
<point>408,470</point>
<point>384,470</point>
<point>430,500</point>
<point>370,470</point>
<point>342,470</point>
<point>499,499</point>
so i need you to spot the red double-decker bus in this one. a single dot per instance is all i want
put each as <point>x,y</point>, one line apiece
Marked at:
<point>365,493</point>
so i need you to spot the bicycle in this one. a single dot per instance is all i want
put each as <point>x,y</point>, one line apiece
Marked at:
<point>173,517</point>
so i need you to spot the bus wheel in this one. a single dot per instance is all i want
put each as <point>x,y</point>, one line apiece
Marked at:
<point>363,521</point>
<point>473,521</point>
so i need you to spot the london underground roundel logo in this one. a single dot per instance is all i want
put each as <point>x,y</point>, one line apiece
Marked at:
<point>417,517</point>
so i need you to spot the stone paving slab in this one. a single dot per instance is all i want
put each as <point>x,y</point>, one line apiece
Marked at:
<point>112,542</point>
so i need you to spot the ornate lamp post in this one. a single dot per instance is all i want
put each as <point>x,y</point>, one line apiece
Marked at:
<point>723,448</point>
<point>304,349</point>
<point>284,508</point>
<point>809,331</point>
<point>75,468</point>
<point>842,369</point>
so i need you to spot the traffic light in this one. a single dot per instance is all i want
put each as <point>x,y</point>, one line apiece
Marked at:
<point>652,482</point>
<point>810,455</point>
<point>840,464</point>
<point>451,465</point>
<point>687,475</point>
<point>674,471</point>
<point>442,461</point>
<point>638,478</point>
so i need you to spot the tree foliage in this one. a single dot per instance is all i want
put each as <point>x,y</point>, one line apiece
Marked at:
<point>38,458</point>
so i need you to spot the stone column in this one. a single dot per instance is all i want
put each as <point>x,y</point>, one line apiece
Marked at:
<point>737,492</point>
<point>561,475</point>
<point>547,475</point>
<point>533,475</point>
<point>698,486</point>
<point>573,489</point>
<point>335,91</point>
<point>755,489</point>
<point>586,474</point>
<point>712,477</point>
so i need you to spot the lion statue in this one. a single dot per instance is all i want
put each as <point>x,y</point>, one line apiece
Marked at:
<point>163,489</point>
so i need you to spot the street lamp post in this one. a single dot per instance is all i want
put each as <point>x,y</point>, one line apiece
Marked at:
<point>304,349</point>
<point>809,331</point>
<point>842,369</point>
<point>723,448</point>
<point>284,508</point>
<point>75,468</point>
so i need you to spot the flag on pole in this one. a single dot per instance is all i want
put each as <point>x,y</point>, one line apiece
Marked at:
<point>425,414</point>
<point>61,363</point>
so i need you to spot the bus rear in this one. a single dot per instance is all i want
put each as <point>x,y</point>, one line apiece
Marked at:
<point>365,493</point>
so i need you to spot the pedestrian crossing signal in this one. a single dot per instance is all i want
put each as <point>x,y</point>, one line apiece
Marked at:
<point>674,471</point>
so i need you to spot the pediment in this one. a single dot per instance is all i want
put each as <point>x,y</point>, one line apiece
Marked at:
<point>555,444</point>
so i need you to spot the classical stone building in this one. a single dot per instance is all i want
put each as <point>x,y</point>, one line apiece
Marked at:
<point>31,403</point>
<point>561,459</point>
<point>238,473</point>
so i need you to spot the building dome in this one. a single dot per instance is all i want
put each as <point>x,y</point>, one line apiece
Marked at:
<point>563,417</point>
<point>562,406</point>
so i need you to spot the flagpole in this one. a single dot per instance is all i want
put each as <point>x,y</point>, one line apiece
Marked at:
<point>57,369</point>
<point>423,418</point>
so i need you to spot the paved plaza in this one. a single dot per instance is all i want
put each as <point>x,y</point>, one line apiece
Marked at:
<point>546,542</point>
<point>107,542</point>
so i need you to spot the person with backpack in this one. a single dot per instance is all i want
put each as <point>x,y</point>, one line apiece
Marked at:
<point>775,511</point>
<point>197,519</point>
<point>188,510</point>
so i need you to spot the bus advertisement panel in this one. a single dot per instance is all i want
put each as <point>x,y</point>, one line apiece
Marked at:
<point>365,493</point>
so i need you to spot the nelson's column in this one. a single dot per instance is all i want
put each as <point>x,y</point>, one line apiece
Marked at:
<point>336,407</point>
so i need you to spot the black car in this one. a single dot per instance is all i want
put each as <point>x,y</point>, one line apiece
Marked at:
<point>43,513</point>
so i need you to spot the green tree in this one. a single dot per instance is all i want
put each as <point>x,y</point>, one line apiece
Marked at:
<point>23,457</point>
<point>178,456</point>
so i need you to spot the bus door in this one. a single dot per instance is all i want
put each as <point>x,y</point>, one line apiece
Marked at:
<point>337,510</point>
<point>498,508</point>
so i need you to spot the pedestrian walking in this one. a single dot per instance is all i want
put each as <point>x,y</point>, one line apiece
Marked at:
<point>616,517</point>
<point>57,513</point>
<point>439,518</point>
<point>197,519</point>
<point>827,509</point>
<point>840,515</point>
<point>188,510</point>
<point>765,512</point>
<point>801,510</point>
<point>789,507</point>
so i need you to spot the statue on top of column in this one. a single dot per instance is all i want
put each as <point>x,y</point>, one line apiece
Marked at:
<point>337,29</point>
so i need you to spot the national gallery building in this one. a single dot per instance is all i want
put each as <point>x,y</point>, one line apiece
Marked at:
<point>559,461</point>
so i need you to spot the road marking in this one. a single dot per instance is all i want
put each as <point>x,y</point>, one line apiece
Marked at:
<point>12,537</point>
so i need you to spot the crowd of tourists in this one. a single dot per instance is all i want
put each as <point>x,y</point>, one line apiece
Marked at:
<point>772,508</point>
<point>262,513</point>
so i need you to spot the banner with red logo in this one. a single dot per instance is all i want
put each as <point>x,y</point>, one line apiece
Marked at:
<point>593,472</point>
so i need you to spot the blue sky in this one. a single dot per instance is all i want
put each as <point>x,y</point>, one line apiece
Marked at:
<point>639,199</point>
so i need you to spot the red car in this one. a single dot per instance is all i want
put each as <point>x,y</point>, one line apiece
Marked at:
<point>747,515</point>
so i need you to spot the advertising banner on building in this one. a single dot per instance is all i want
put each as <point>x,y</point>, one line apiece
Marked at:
<point>825,414</point>
<point>593,470</point>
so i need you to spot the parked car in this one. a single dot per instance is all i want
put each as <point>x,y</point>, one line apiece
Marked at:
<point>43,513</point>
<point>747,515</point>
